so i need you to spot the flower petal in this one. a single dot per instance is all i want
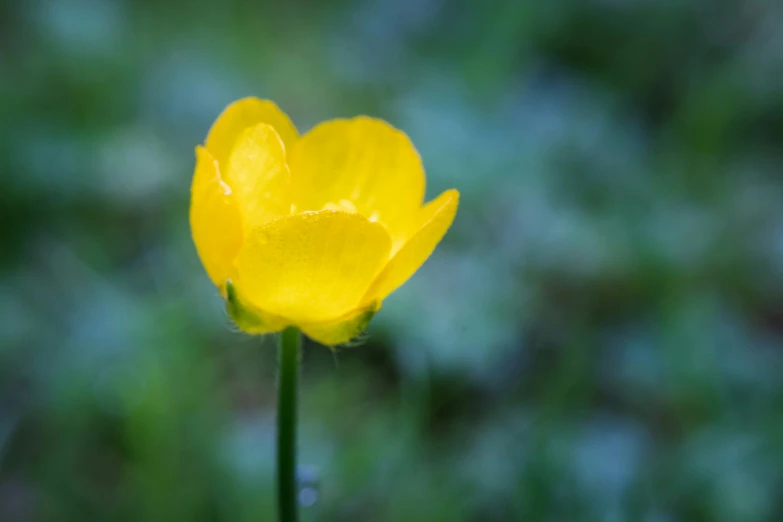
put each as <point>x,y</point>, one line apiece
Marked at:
<point>311,267</point>
<point>433,222</point>
<point>240,115</point>
<point>342,330</point>
<point>215,220</point>
<point>364,161</point>
<point>258,173</point>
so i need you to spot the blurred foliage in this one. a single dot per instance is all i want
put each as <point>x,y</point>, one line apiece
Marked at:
<point>597,339</point>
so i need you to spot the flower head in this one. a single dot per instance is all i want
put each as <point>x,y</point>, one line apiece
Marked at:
<point>312,231</point>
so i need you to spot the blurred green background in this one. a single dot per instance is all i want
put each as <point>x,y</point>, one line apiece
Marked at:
<point>598,338</point>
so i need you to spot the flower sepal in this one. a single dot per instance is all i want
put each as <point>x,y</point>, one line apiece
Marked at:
<point>344,329</point>
<point>330,333</point>
<point>247,317</point>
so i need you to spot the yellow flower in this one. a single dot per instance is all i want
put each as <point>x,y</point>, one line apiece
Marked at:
<point>312,231</point>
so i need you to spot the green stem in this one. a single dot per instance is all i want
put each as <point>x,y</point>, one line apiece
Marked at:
<point>288,360</point>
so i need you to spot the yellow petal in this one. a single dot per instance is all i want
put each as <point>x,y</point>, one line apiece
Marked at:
<point>342,330</point>
<point>433,222</point>
<point>258,173</point>
<point>215,221</point>
<point>242,114</point>
<point>364,161</point>
<point>311,267</point>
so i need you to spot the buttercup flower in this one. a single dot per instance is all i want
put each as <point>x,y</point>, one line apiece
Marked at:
<point>312,231</point>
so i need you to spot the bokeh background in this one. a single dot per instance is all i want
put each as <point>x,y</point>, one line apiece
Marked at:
<point>598,338</point>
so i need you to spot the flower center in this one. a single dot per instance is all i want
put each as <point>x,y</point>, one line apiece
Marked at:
<point>344,205</point>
